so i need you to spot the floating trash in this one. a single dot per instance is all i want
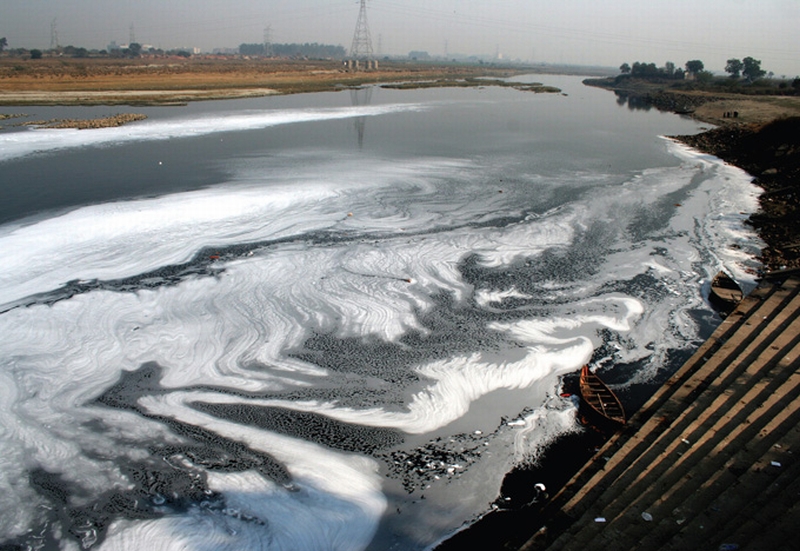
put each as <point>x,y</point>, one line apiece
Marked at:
<point>647,516</point>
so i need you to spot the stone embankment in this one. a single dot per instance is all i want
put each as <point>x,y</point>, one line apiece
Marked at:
<point>711,461</point>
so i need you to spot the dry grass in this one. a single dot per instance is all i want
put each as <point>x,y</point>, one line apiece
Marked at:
<point>751,109</point>
<point>104,81</point>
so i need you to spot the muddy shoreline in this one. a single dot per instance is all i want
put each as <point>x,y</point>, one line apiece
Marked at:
<point>757,133</point>
<point>771,153</point>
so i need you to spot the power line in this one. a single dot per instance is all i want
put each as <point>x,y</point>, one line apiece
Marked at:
<point>583,35</point>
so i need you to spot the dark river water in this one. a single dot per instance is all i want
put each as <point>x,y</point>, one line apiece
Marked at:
<point>336,320</point>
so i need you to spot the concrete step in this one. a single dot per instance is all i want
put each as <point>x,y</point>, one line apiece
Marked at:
<point>723,386</point>
<point>759,431</point>
<point>693,497</point>
<point>645,454</point>
<point>708,419</point>
<point>640,431</point>
<point>748,501</point>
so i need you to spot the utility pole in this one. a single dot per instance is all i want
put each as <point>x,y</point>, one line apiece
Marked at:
<point>362,42</point>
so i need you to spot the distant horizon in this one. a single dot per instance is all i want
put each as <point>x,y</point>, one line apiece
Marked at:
<point>581,32</point>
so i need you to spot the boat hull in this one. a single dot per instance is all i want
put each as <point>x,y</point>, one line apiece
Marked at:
<point>725,293</point>
<point>599,398</point>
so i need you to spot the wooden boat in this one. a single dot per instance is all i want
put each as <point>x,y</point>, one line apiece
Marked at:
<point>600,398</point>
<point>725,293</point>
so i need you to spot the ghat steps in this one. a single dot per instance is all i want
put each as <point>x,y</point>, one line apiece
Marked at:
<point>713,458</point>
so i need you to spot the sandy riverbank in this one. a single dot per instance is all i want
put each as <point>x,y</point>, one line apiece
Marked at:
<point>170,81</point>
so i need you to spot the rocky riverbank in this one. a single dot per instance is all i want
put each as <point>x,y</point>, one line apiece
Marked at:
<point>758,133</point>
<point>771,153</point>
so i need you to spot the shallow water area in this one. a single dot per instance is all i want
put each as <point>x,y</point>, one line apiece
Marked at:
<point>335,320</point>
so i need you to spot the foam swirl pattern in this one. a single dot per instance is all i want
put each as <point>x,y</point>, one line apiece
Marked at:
<point>292,358</point>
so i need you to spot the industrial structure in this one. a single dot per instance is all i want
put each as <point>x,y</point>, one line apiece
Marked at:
<point>53,35</point>
<point>361,54</point>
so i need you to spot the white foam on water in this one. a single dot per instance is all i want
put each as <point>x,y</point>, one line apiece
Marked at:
<point>334,501</point>
<point>42,140</point>
<point>721,209</point>
<point>555,346</point>
<point>546,424</point>
<point>122,239</point>
<point>487,297</point>
<point>399,235</point>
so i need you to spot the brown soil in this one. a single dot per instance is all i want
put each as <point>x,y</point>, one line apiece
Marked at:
<point>160,81</point>
<point>758,110</point>
<point>84,124</point>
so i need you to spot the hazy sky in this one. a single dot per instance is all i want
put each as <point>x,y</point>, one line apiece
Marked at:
<point>603,32</point>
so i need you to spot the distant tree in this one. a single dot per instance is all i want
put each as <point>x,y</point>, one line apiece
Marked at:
<point>704,77</point>
<point>669,68</point>
<point>3,43</point>
<point>694,66</point>
<point>36,54</point>
<point>624,68</point>
<point>75,52</point>
<point>734,67</point>
<point>751,69</point>
<point>251,49</point>
<point>134,49</point>
<point>644,70</point>
<point>796,84</point>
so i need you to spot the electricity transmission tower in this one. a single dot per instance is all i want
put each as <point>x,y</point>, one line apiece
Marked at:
<point>53,35</point>
<point>268,41</point>
<point>362,42</point>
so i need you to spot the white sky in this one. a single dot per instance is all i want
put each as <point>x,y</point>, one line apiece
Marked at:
<point>600,32</point>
